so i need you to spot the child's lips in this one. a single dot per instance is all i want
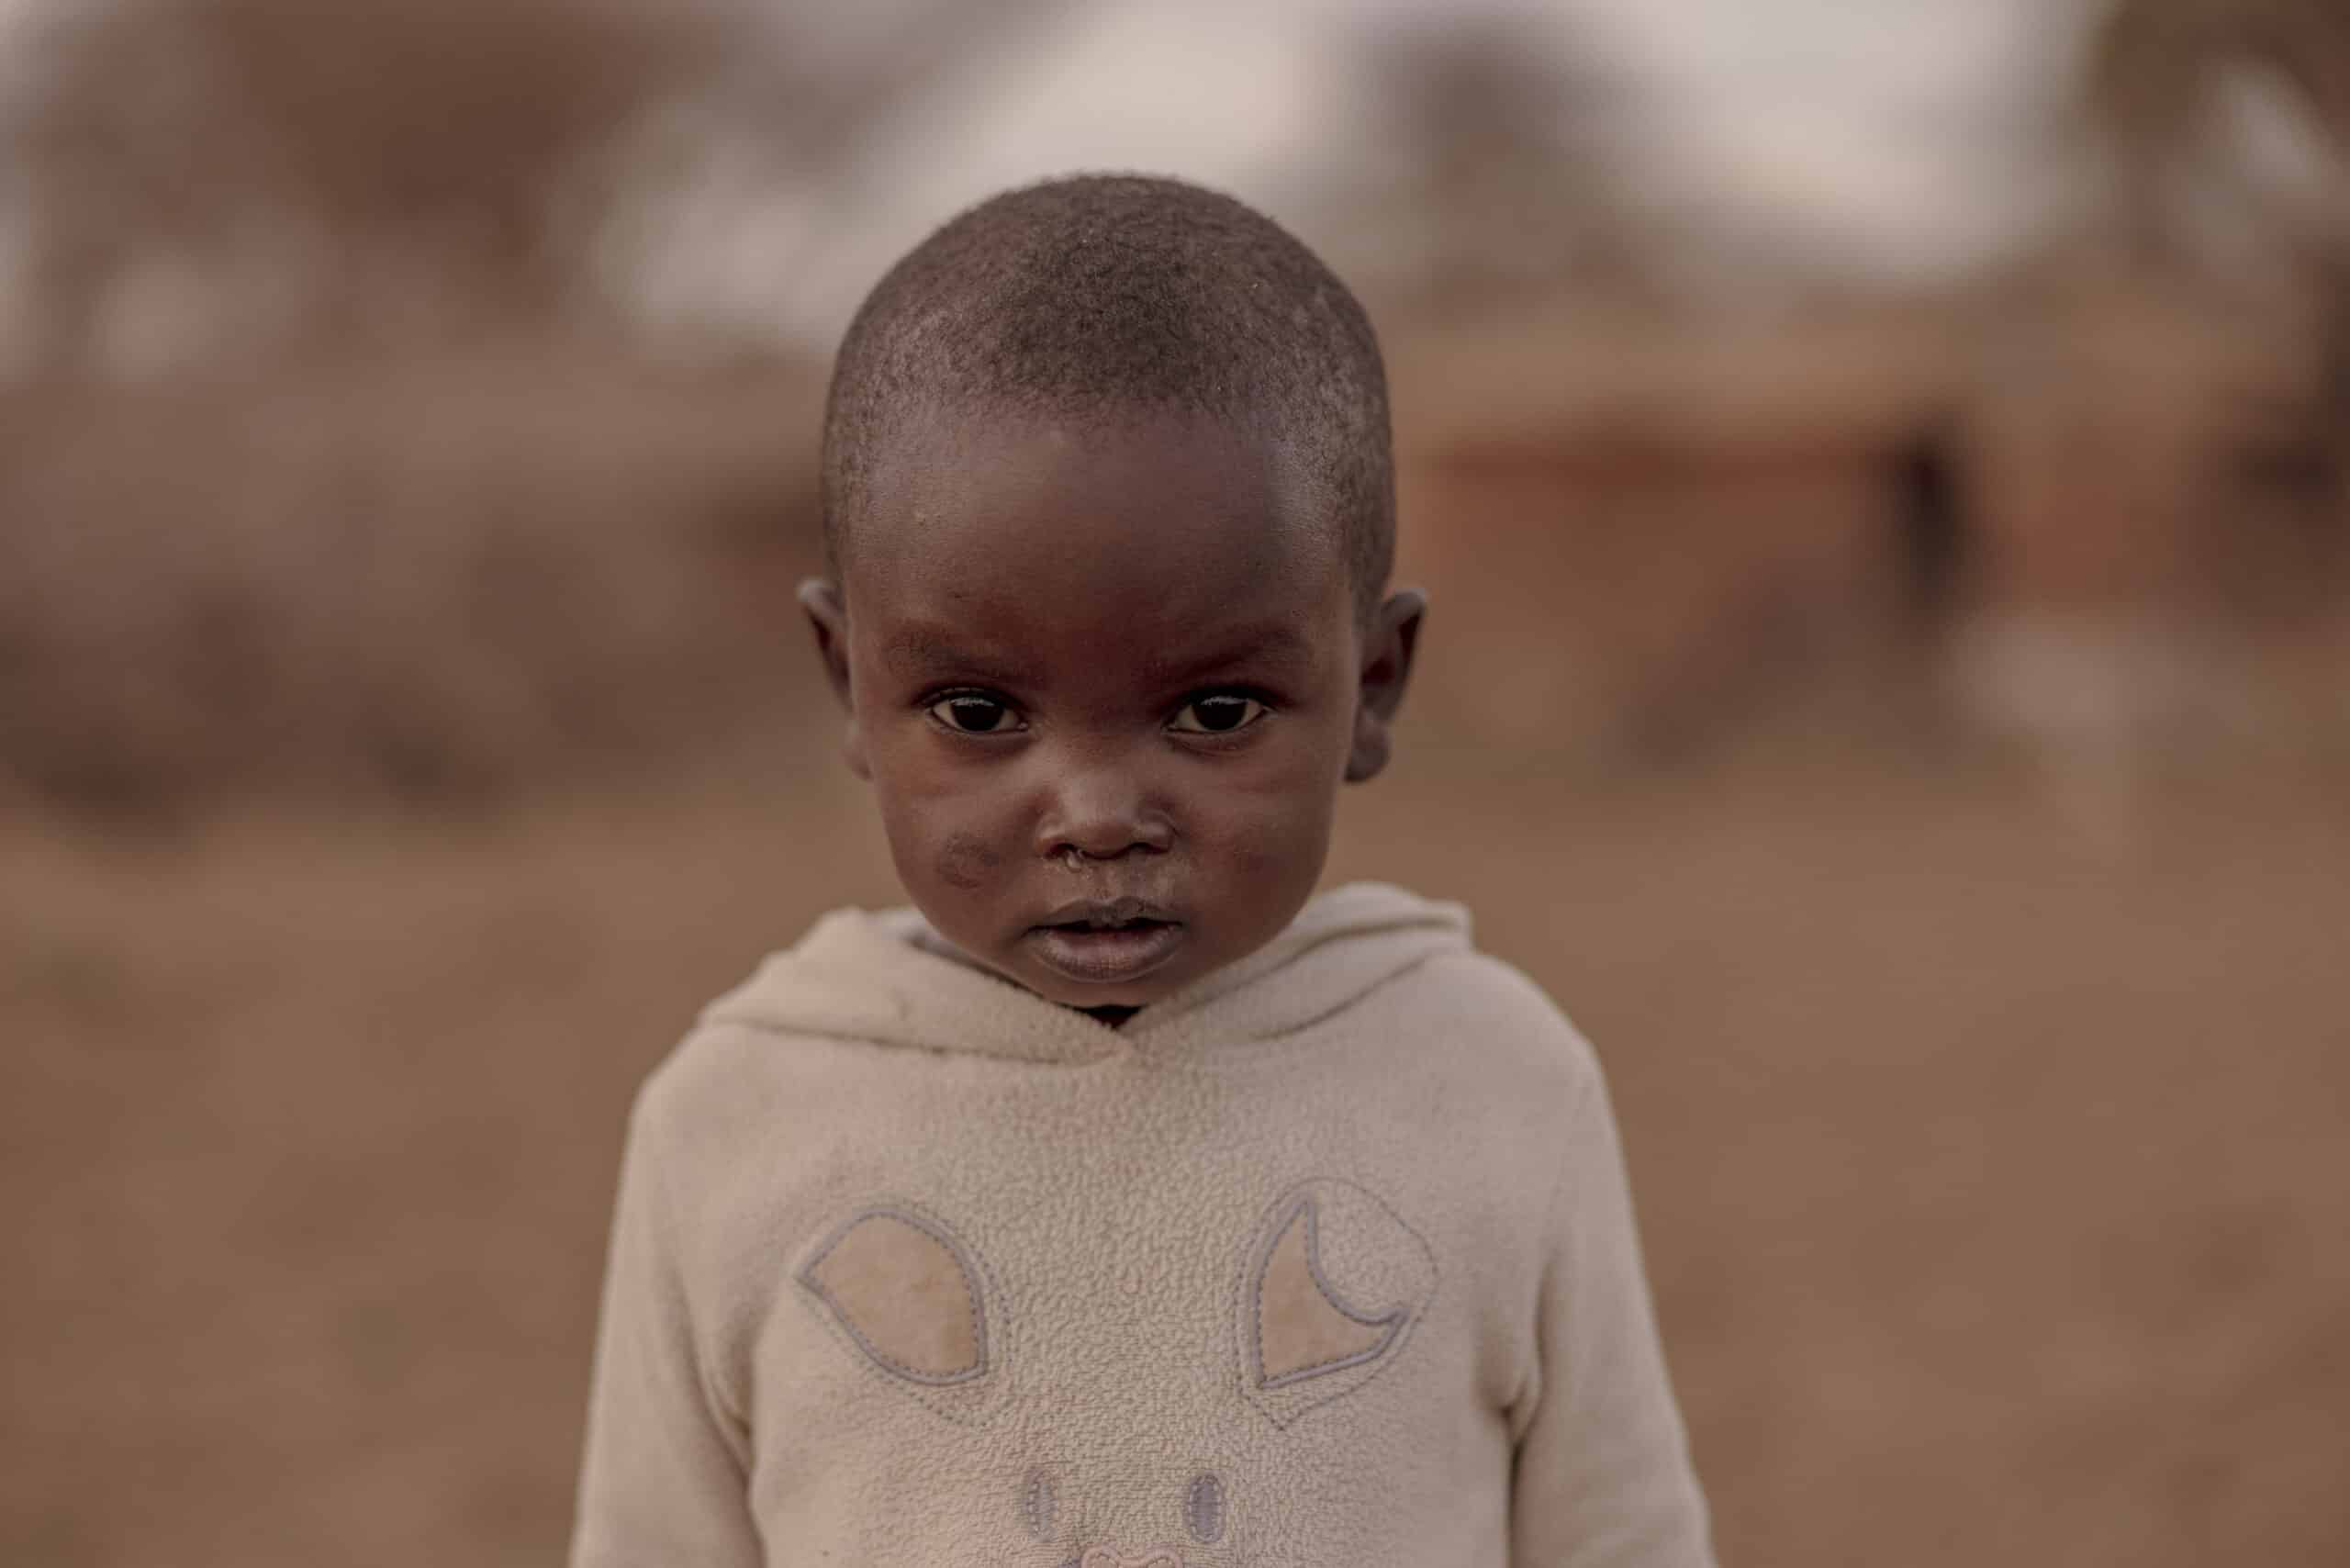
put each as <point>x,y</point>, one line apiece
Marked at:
<point>1095,954</point>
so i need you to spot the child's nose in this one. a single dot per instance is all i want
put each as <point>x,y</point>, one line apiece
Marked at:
<point>1102,813</point>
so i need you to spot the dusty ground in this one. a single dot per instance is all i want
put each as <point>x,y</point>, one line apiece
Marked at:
<point>1994,1176</point>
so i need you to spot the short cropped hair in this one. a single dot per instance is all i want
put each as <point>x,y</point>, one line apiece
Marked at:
<point>1085,297</point>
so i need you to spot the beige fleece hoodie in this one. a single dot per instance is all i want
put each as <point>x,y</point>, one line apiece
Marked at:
<point>1325,1262</point>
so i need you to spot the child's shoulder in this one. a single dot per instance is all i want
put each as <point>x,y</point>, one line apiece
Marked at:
<point>715,1084</point>
<point>1506,1017</point>
<point>1437,989</point>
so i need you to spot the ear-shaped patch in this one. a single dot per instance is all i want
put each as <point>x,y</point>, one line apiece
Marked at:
<point>1330,1288</point>
<point>913,1298</point>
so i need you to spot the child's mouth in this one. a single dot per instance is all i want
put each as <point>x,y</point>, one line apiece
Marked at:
<point>1101,949</point>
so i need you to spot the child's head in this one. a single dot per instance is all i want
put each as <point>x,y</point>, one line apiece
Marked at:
<point>1108,516</point>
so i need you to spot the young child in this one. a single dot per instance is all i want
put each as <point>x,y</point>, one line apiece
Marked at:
<point>1121,1204</point>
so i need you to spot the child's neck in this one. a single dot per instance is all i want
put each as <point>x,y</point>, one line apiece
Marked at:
<point>1113,1016</point>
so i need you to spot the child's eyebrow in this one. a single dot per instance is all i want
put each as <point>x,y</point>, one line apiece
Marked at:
<point>1273,642</point>
<point>924,647</point>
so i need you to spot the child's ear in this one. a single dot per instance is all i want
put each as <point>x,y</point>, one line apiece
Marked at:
<point>828,614</point>
<point>1386,668</point>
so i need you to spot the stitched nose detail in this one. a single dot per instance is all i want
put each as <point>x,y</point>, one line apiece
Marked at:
<point>1103,1557</point>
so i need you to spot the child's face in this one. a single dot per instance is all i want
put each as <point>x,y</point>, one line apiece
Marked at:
<point>1105,684</point>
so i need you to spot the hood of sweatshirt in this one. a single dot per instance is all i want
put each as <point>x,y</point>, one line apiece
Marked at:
<point>887,977</point>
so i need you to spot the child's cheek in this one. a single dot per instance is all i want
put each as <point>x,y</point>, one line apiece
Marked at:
<point>965,862</point>
<point>1270,829</point>
<point>940,841</point>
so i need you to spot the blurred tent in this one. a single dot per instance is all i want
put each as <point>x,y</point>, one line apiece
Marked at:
<point>2230,121</point>
<point>2161,425</point>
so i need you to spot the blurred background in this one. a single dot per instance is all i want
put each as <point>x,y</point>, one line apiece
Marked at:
<point>1880,472</point>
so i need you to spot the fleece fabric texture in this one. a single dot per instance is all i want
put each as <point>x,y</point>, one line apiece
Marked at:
<point>1325,1261</point>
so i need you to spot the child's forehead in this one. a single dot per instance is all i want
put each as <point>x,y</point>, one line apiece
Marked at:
<point>1040,645</point>
<point>1147,544</point>
<point>1188,500</point>
<point>930,609</point>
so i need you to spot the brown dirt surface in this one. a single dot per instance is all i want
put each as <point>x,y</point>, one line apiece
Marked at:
<point>1992,1175</point>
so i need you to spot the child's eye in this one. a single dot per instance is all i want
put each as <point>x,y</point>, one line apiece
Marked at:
<point>975,713</point>
<point>1219,713</point>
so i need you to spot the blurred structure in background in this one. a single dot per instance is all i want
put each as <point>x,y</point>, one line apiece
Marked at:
<point>429,386</point>
<point>1881,471</point>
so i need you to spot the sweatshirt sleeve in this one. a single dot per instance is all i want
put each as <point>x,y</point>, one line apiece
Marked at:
<point>1603,1477</point>
<point>663,1480</point>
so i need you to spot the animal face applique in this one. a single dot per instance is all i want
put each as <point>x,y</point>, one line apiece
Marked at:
<point>1124,1454</point>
